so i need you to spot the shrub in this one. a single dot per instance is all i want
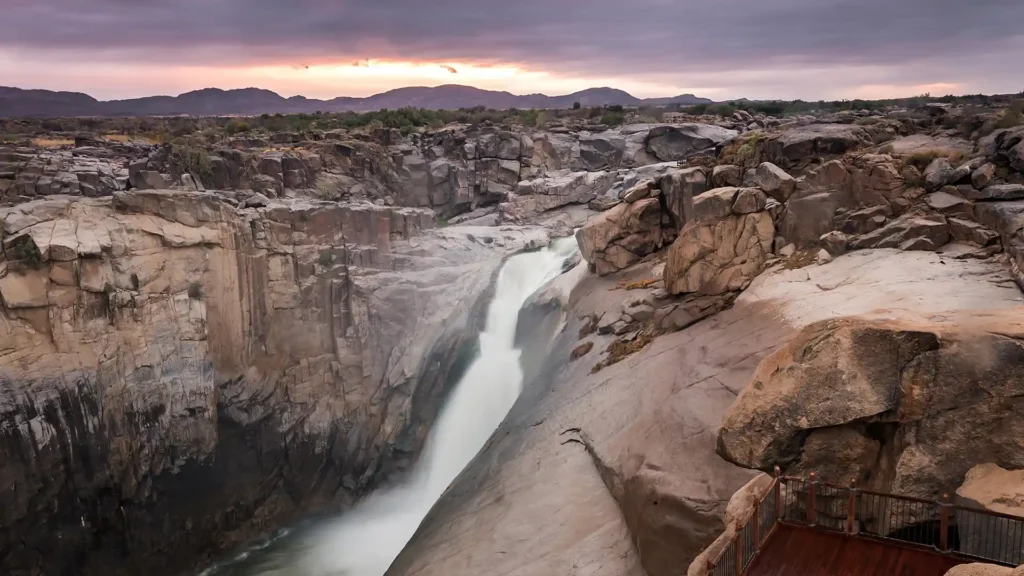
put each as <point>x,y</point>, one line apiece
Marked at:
<point>236,127</point>
<point>613,118</point>
<point>326,258</point>
<point>194,160</point>
<point>576,105</point>
<point>195,291</point>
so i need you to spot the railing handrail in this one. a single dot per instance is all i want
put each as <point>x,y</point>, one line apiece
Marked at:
<point>943,510</point>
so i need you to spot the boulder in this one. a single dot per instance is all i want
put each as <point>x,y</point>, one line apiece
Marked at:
<point>971,232</point>
<point>719,251</point>
<point>948,203</point>
<point>726,175</point>
<point>501,145</point>
<point>775,181</point>
<point>638,192</point>
<point>946,388</point>
<point>907,233</point>
<point>621,236</point>
<point>939,173</point>
<point>749,200</point>
<point>997,192</point>
<point>668,143</point>
<point>602,151</point>
<point>993,488</point>
<point>152,180</point>
<point>680,187</point>
<point>800,145</point>
<point>835,242</point>
<point>983,176</point>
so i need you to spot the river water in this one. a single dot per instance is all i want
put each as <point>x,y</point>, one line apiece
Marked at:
<point>365,540</point>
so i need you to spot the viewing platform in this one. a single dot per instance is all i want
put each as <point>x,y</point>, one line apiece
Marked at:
<point>802,527</point>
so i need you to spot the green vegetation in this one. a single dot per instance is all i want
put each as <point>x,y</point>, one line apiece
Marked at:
<point>326,258</point>
<point>210,130</point>
<point>195,291</point>
<point>187,157</point>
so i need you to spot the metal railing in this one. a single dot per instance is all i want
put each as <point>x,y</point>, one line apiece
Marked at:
<point>965,532</point>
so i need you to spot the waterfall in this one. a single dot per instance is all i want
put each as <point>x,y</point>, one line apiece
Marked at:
<point>364,541</point>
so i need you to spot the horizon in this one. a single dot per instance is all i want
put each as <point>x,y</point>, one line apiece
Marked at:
<point>778,50</point>
<point>517,94</point>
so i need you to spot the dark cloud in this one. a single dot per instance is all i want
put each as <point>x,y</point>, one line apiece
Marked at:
<point>608,37</point>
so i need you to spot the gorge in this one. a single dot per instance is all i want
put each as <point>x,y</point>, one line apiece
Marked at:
<point>206,342</point>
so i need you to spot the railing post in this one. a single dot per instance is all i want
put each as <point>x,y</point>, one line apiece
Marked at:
<point>944,509</point>
<point>811,497</point>
<point>757,525</point>
<point>851,507</point>
<point>739,555</point>
<point>780,508</point>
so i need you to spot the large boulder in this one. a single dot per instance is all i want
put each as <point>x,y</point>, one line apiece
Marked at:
<point>680,187</point>
<point>990,487</point>
<point>908,232</point>
<point>810,211</point>
<point>933,396</point>
<point>721,249</point>
<point>682,141</point>
<point>621,236</point>
<point>602,151</point>
<point>775,181</point>
<point>799,145</point>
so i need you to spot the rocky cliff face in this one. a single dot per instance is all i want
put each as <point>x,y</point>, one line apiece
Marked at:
<point>179,375</point>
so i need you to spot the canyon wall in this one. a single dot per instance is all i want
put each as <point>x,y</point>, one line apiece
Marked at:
<point>178,375</point>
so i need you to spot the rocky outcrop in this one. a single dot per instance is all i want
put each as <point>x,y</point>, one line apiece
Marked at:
<point>26,174</point>
<point>798,145</point>
<point>724,246</point>
<point>992,488</point>
<point>179,375</point>
<point>668,143</point>
<point>932,397</point>
<point>622,236</point>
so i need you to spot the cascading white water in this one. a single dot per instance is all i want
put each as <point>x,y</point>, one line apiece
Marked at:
<point>367,539</point>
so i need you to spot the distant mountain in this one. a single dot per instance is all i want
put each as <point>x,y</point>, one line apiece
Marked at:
<point>15,102</point>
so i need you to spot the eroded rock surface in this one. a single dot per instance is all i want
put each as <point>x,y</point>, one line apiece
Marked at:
<point>645,492</point>
<point>179,375</point>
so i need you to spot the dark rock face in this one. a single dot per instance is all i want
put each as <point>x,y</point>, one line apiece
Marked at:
<point>182,376</point>
<point>678,142</point>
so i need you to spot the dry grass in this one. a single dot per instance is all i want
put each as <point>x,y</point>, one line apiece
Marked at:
<point>922,158</point>
<point>638,285</point>
<point>800,259</point>
<point>52,142</point>
<point>623,348</point>
<point>133,138</point>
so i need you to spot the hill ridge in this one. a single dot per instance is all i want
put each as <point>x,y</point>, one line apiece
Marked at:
<point>17,102</point>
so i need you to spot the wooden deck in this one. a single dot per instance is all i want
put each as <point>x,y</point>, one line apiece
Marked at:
<point>792,551</point>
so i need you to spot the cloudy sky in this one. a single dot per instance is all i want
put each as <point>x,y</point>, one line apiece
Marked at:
<point>720,49</point>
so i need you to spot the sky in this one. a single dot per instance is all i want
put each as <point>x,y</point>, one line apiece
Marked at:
<point>719,49</point>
